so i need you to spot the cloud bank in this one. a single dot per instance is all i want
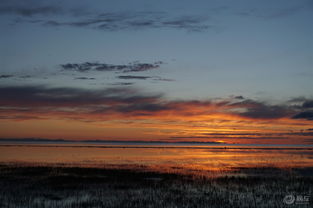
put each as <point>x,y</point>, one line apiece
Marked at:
<point>121,100</point>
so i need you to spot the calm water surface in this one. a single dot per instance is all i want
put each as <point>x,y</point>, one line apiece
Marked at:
<point>204,157</point>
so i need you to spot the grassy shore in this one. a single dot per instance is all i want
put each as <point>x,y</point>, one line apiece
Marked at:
<point>76,187</point>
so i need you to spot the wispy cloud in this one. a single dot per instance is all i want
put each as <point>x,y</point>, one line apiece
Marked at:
<point>124,68</point>
<point>28,9</point>
<point>38,12</point>
<point>135,21</point>
<point>123,83</point>
<point>85,78</point>
<point>154,78</point>
<point>134,77</point>
<point>280,12</point>
<point>4,76</point>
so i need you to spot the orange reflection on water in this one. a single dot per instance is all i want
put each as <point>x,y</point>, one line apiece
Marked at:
<point>204,158</point>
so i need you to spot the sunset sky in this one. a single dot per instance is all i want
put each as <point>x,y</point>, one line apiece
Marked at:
<point>179,70</point>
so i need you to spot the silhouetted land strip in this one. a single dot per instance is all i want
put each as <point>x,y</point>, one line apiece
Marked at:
<point>52,186</point>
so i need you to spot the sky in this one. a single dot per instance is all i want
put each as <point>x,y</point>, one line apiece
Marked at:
<point>207,71</point>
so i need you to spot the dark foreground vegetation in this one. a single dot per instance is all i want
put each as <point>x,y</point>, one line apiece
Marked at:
<point>76,187</point>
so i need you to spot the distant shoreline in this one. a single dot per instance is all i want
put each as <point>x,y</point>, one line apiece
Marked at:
<point>138,143</point>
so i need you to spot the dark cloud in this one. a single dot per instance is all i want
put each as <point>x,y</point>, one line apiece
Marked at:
<point>134,77</point>
<point>135,21</point>
<point>107,21</point>
<point>305,106</point>
<point>162,79</point>
<point>140,67</point>
<point>259,110</point>
<point>114,100</point>
<point>30,11</point>
<point>28,8</point>
<point>85,78</point>
<point>154,78</point>
<point>78,16</point>
<point>302,103</point>
<point>123,83</point>
<point>308,115</point>
<point>192,23</point>
<point>25,77</point>
<point>266,112</point>
<point>240,97</point>
<point>31,96</point>
<point>308,104</point>
<point>17,101</point>
<point>95,66</point>
<point>297,102</point>
<point>4,76</point>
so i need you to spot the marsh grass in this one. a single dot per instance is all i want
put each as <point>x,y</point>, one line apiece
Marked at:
<point>69,187</point>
